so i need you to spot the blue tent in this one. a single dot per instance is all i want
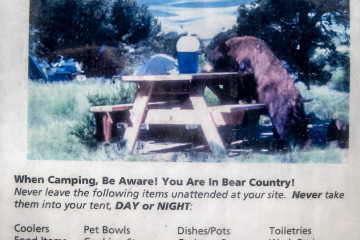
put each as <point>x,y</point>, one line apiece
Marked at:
<point>35,71</point>
<point>159,64</point>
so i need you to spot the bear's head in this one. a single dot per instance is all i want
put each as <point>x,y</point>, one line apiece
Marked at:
<point>220,61</point>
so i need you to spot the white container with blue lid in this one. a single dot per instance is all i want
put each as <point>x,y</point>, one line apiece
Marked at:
<point>188,56</point>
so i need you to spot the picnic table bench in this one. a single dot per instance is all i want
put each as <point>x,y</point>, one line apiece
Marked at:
<point>172,100</point>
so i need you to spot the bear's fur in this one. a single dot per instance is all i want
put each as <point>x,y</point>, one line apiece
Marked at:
<point>263,79</point>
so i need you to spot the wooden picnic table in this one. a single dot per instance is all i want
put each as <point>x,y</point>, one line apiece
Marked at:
<point>190,109</point>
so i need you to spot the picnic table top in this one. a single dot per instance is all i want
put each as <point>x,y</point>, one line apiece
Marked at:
<point>179,77</point>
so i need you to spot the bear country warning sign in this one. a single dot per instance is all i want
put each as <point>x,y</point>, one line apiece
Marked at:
<point>105,136</point>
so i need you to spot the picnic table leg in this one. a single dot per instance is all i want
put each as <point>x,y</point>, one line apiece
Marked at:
<point>107,123</point>
<point>208,124</point>
<point>137,114</point>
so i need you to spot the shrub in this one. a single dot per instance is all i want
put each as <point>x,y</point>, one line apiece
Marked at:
<point>340,79</point>
<point>327,103</point>
<point>84,130</point>
<point>111,94</point>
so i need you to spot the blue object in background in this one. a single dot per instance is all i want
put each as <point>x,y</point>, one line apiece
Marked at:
<point>35,70</point>
<point>62,70</point>
<point>159,64</point>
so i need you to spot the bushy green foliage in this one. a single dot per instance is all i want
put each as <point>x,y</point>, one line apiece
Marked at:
<point>111,94</point>
<point>61,24</point>
<point>296,30</point>
<point>108,94</point>
<point>79,29</point>
<point>132,22</point>
<point>84,130</point>
<point>340,79</point>
<point>327,103</point>
<point>301,33</point>
<point>211,98</point>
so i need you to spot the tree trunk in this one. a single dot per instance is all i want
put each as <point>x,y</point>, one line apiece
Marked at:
<point>305,44</point>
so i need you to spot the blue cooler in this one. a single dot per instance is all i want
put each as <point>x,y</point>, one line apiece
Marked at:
<point>188,57</point>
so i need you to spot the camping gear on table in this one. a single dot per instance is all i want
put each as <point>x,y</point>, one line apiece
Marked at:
<point>158,64</point>
<point>187,48</point>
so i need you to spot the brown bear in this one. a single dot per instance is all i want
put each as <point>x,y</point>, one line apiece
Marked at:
<point>264,80</point>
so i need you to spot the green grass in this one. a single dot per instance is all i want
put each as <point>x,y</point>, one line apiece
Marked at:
<point>57,110</point>
<point>60,126</point>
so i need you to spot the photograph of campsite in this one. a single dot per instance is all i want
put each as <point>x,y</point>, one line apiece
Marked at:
<point>260,81</point>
